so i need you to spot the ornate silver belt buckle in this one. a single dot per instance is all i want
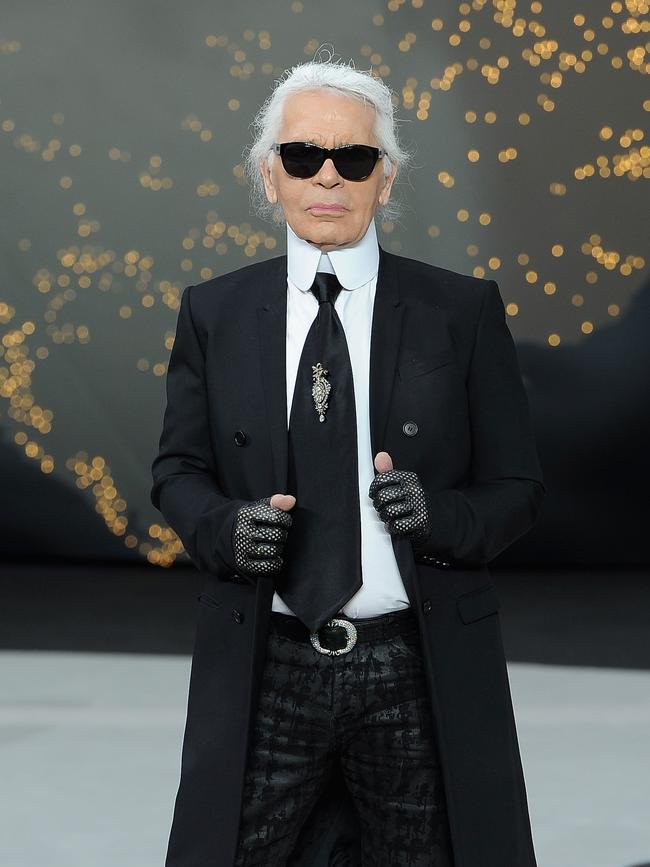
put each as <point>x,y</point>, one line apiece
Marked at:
<point>351,637</point>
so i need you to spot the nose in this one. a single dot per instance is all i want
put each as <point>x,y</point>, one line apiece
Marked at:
<point>328,174</point>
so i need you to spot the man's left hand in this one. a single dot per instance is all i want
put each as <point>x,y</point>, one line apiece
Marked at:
<point>400,500</point>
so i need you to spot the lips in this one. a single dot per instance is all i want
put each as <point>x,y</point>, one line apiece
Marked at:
<point>323,206</point>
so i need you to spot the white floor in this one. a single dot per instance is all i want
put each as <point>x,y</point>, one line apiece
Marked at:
<point>90,755</point>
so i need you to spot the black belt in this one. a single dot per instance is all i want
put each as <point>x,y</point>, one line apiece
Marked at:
<point>340,634</point>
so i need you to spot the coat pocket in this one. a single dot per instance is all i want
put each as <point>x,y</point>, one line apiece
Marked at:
<point>478,603</point>
<point>206,599</point>
<point>415,365</point>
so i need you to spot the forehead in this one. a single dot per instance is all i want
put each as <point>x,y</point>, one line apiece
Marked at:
<point>322,116</point>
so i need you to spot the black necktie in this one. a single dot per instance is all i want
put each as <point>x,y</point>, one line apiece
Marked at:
<point>322,554</point>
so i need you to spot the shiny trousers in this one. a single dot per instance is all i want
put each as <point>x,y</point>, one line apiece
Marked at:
<point>368,709</point>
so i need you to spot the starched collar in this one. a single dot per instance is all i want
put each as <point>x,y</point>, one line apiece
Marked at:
<point>354,265</point>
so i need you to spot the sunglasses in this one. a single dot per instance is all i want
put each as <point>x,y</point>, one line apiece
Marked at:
<point>353,162</point>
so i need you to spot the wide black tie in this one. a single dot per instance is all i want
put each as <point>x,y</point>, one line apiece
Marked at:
<point>322,554</point>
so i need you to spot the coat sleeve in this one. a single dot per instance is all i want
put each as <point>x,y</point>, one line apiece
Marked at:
<point>185,488</point>
<point>501,502</point>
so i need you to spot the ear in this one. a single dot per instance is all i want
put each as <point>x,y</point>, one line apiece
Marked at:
<point>269,187</point>
<point>384,193</point>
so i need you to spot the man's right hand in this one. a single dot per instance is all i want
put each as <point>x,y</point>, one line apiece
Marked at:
<point>259,532</point>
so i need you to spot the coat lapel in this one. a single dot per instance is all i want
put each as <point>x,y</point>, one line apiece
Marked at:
<point>386,332</point>
<point>272,332</point>
<point>385,339</point>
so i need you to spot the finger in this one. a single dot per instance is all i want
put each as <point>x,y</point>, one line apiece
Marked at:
<point>409,523</point>
<point>403,526</point>
<point>382,481</point>
<point>391,494</point>
<point>397,510</point>
<point>404,477</point>
<point>266,567</point>
<point>265,551</point>
<point>274,517</point>
<point>263,567</point>
<point>268,532</point>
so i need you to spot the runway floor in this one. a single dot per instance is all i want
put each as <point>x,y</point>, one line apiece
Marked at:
<point>90,736</point>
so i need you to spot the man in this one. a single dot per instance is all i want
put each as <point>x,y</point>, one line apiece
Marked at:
<point>346,445</point>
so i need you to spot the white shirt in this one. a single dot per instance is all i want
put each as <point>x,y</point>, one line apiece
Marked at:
<point>356,268</point>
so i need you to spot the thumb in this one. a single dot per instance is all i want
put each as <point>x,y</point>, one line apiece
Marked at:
<point>383,462</point>
<point>283,501</point>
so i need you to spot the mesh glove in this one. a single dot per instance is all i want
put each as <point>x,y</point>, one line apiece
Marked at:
<point>258,535</point>
<point>402,504</point>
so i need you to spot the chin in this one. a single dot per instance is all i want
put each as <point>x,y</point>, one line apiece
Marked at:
<point>330,230</point>
<point>322,230</point>
<point>325,219</point>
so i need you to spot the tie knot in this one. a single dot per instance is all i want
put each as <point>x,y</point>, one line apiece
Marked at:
<point>326,287</point>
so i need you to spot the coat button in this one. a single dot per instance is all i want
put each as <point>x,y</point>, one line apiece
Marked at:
<point>410,428</point>
<point>426,606</point>
<point>237,616</point>
<point>241,437</point>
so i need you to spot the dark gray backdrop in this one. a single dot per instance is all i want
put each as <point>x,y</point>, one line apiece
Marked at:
<point>124,82</point>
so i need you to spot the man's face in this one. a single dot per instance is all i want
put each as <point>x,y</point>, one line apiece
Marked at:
<point>329,120</point>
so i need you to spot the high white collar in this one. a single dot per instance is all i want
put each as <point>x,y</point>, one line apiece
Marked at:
<point>354,265</point>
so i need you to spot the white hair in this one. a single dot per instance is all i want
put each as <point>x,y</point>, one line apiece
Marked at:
<point>340,78</point>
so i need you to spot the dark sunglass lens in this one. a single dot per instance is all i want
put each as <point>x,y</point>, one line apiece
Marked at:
<point>355,163</point>
<point>301,161</point>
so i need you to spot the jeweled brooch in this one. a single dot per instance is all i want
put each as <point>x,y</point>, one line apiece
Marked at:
<point>320,389</point>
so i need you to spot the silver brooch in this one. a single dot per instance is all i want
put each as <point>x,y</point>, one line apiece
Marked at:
<point>320,389</point>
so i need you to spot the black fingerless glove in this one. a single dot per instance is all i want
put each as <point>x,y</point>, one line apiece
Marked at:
<point>402,504</point>
<point>258,535</point>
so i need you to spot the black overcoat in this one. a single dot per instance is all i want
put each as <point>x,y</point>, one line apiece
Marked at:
<point>442,357</point>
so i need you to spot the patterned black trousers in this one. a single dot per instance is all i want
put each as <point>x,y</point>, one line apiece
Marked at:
<point>369,710</point>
